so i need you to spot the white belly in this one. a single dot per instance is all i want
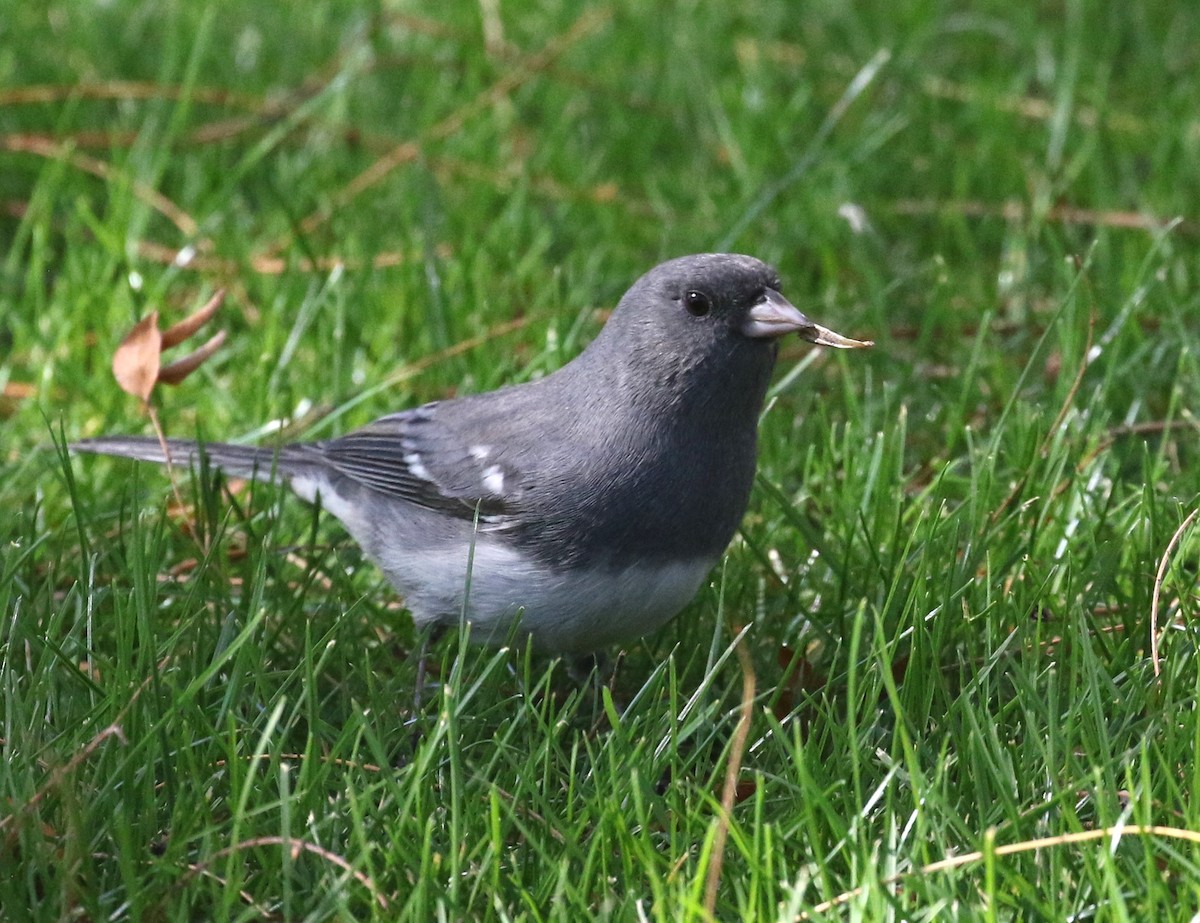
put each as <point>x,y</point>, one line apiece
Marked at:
<point>561,612</point>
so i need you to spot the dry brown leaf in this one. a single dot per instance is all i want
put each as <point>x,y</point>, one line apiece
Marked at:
<point>180,369</point>
<point>177,333</point>
<point>136,362</point>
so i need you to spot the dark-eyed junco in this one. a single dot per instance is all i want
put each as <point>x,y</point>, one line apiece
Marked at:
<point>586,507</point>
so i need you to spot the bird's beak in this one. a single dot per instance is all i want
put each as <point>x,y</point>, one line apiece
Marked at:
<point>774,316</point>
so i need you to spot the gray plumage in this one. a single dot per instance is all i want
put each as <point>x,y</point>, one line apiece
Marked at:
<point>592,503</point>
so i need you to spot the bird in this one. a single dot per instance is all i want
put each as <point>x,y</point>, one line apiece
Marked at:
<point>574,512</point>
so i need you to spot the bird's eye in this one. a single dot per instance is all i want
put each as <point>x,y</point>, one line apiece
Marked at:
<point>697,303</point>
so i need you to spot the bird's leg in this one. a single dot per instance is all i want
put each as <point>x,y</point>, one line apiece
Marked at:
<point>589,668</point>
<point>596,670</point>
<point>429,637</point>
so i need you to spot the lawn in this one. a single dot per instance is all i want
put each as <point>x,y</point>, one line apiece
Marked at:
<point>947,669</point>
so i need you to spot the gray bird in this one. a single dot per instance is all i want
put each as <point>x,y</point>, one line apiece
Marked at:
<point>585,508</point>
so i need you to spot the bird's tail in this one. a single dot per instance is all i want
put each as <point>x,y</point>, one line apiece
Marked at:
<point>236,460</point>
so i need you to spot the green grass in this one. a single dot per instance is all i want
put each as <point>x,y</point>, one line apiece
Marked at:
<point>949,566</point>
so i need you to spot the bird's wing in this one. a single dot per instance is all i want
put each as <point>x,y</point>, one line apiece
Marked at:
<point>417,457</point>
